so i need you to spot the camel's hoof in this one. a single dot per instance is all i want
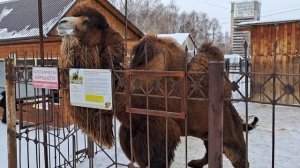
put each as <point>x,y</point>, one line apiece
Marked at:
<point>197,163</point>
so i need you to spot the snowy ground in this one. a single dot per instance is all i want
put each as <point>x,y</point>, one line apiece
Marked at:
<point>287,150</point>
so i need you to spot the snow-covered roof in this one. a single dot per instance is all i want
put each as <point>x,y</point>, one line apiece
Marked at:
<point>234,58</point>
<point>19,18</point>
<point>179,37</point>
<point>271,21</point>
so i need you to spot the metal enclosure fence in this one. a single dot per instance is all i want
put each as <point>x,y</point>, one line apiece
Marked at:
<point>58,142</point>
<point>66,146</point>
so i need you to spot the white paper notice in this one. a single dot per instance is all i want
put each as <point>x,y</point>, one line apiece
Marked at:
<point>91,88</point>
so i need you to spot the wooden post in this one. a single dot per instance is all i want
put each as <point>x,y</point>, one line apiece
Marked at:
<point>11,113</point>
<point>215,116</point>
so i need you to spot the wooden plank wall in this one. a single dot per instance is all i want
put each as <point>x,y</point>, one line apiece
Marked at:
<point>51,48</point>
<point>31,48</point>
<point>287,36</point>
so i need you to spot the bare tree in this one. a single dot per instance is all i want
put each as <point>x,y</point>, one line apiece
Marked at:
<point>215,28</point>
<point>152,16</point>
<point>227,43</point>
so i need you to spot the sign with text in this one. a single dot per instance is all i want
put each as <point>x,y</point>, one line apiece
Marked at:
<point>91,88</point>
<point>45,77</point>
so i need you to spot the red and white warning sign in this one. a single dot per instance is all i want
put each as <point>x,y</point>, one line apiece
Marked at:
<point>45,77</point>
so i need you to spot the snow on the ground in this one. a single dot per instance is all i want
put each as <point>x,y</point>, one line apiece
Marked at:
<point>287,148</point>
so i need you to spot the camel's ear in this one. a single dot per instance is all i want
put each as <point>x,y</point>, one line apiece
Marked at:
<point>101,22</point>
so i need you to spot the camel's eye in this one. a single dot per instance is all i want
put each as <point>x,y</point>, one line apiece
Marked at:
<point>77,15</point>
<point>87,21</point>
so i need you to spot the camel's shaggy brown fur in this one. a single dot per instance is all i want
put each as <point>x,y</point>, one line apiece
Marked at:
<point>91,50</point>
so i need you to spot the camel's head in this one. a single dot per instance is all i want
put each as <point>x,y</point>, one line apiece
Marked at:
<point>85,23</point>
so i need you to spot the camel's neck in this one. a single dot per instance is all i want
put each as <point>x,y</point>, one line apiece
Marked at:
<point>111,50</point>
<point>108,54</point>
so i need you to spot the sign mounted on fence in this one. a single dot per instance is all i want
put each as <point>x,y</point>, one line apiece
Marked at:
<point>45,77</point>
<point>91,88</point>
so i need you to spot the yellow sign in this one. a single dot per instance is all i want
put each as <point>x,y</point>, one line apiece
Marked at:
<point>94,98</point>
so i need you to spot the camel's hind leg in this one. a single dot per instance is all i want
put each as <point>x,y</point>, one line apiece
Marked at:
<point>157,146</point>
<point>201,162</point>
<point>124,135</point>
<point>236,154</point>
<point>234,142</point>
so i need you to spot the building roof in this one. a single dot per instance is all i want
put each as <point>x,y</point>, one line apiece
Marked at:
<point>270,21</point>
<point>19,18</point>
<point>179,37</point>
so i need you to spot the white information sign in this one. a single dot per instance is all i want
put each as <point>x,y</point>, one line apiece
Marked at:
<point>91,88</point>
<point>45,77</point>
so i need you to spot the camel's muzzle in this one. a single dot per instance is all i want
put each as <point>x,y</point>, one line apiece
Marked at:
<point>66,26</point>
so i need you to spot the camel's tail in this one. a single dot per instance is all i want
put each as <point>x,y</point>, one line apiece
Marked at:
<point>251,126</point>
<point>237,118</point>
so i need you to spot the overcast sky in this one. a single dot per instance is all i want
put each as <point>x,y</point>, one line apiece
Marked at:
<point>220,9</point>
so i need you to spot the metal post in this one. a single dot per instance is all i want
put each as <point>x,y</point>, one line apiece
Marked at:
<point>274,102</point>
<point>246,97</point>
<point>215,116</point>
<point>91,152</point>
<point>11,113</point>
<point>41,31</point>
<point>185,106</point>
<point>41,35</point>
<point>74,151</point>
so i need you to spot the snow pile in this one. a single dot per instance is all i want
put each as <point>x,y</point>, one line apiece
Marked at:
<point>273,20</point>
<point>4,33</point>
<point>4,13</point>
<point>25,32</point>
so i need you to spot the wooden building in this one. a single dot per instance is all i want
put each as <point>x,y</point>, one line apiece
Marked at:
<point>265,35</point>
